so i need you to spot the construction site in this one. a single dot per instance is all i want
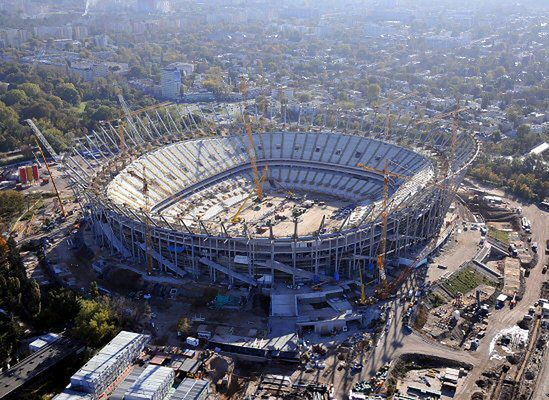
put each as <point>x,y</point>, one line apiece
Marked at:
<point>258,202</point>
<point>318,253</point>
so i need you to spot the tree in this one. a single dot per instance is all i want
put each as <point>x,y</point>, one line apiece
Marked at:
<point>103,113</point>
<point>94,290</point>
<point>11,204</point>
<point>14,96</point>
<point>31,89</point>
<point>57,139</point>
<point>59,306</point>
<point>13,292</point>
<point>68,93</point>
<point>38,109</point>
<point>513,115</point>
<point>95,322</point>
<point>32,305</point>
<point>373,92</point>
<point>184,326</point>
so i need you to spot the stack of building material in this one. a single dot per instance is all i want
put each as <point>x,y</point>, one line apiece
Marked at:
<point>191,389</point>
<point>111,362</point>
<point>153,384</point>
<point>71,395</point>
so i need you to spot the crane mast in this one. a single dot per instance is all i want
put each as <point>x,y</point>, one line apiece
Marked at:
<point>148,234</point>
<point>63,211</point>
<point>251,144</point>
<point>384,221</point>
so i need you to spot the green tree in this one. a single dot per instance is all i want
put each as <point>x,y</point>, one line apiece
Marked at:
<point>14,96</point>
<point>59,306</point>
<point>68,93</point>
<point>94,290</point>
<point>57,139</point>
<point>373,92</point>
<point>102,113</point>
<point>184,326</point>
<point>32,304</point>
<point>13,292</point>
<point>11,204</point>
<point>95,322</point>
<point>31,89</point>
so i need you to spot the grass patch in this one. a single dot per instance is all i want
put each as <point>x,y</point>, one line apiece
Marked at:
<point>436,300</point>
<point>500,235</point>
<point>465,280</point>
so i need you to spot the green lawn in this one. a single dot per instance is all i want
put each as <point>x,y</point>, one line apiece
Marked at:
<point>502,236</point>
<point>465,280</point>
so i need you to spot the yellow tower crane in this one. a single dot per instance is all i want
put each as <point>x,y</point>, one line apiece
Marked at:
<point>384,220</point>
<point>61,206</point>
<point>385,213</point>
<point>251,144</point>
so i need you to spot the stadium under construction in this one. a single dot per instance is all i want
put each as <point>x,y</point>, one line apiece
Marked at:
<point>254,199</point>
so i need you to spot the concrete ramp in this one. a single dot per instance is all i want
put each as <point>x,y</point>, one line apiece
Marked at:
<point>289,270</point>
<point>483,253</point>
<point>163,261</point>
<point>228,271</point>
<point>117,244</point>
<point>497,246</point>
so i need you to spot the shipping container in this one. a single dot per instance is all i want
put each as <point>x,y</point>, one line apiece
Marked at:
<point>35,172</point>
<point>72,395</point>
<point>30,176</point>
<point>109,363</point>
<point>23,175</point>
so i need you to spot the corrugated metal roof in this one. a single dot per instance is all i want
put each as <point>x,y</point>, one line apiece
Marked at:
<point>123,346</point>
<point>71,395</point>
<point>190,389</point>
<point>153,380</point>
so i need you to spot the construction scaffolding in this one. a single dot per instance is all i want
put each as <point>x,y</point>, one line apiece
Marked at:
<point>182,244</point>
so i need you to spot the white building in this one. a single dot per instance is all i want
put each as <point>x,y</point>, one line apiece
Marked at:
<point>53,32</point>
<point>184,68</point>
<point>109,363</point>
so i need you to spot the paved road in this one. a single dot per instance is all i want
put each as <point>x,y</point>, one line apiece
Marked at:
<point>37,363</point>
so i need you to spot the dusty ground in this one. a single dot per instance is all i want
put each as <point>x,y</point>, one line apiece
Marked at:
<point>282,204</point>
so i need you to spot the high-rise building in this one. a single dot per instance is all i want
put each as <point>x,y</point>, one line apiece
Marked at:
<point>170,83</point>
